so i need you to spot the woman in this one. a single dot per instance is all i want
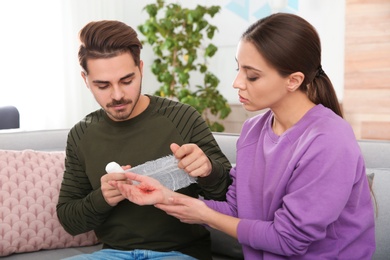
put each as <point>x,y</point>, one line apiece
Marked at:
<point>299,186</point>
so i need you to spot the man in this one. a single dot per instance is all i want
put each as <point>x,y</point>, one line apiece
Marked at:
<point>131,129</point>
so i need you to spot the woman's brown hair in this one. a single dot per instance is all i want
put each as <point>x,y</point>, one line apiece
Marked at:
<point>290,44</point>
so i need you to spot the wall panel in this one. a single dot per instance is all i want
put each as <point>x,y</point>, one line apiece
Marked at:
<point>366,100</point>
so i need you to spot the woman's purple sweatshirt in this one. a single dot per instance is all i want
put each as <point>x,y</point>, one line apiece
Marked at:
<point>301,195</point>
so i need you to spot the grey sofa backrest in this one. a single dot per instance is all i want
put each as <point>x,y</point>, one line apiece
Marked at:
<point>227,143</point>
<point>375,152</point>
<point>40,140</point>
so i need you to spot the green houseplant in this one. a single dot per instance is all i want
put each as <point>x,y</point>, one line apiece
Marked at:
<point>180,39</point>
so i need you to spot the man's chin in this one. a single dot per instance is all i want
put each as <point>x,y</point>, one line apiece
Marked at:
<point>119,115</point>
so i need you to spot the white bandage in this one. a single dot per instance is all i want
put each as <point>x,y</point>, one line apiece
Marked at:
<point>164,169</point>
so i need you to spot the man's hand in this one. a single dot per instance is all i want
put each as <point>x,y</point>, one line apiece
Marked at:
<point>192,159</point>
<point>110,193</point>
<point>142,190</point>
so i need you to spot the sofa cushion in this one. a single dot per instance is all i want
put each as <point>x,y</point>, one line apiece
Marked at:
<point>380,187</point>
<point>224,246</point>
<point>29,186</point>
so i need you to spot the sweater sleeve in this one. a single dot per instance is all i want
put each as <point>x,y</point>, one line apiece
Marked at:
<point>216,184</point>
<point>192,128</point>
<point>80,208</point>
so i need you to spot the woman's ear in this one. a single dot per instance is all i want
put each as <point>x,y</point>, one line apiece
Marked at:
<point>295,80</point>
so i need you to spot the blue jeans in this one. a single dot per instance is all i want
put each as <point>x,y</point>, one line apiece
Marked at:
<point>113,254</point>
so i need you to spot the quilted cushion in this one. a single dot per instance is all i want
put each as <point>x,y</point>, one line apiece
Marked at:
<point>29,186</point>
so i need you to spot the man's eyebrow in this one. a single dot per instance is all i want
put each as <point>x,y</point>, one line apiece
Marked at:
<point>106,82</point>
<point>128,76</point>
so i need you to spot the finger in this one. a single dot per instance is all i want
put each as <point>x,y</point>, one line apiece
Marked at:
<point>195,167</point>
<point>134,176</point>
<point>110,189</point>
<point>126,167</point>
<point>191,151</point>
<point>172,203</point>
<point>113,184</point>
<point>174,147</point>
<point>124,189</point>
<point>112,197</point>
<point>185,156</point>
<point>190,163</point>
<point>114,194</point>
<point>199,171</point>
<point>172,210</point>
<point>116,176</point>
<point>186,150</point>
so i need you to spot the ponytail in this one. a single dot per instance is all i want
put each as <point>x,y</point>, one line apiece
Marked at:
<point>321,91</point>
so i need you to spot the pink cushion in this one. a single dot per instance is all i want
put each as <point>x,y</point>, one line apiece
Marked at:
<point>29,187</point>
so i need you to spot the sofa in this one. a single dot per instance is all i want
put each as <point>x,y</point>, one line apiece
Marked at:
<point>31,168</point>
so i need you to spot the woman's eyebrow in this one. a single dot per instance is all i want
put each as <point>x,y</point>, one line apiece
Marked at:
<point>247,67</point>
<point>250,68</point>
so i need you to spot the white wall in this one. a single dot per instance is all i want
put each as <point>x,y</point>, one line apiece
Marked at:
<point>326,16</point>
<point>40,72</point>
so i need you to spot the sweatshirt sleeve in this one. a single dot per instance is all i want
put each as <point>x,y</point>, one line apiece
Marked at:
<point>79,208</point>
<point>228,207</point>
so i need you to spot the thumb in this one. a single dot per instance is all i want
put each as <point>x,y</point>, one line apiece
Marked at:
<point>174,147</point>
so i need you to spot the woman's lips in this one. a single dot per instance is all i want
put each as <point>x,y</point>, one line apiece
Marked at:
<point>242,100</point>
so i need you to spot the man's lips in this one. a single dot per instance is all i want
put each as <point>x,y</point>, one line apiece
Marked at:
<point>119,106</point>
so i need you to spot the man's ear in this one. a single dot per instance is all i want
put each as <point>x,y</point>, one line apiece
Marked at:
<point>295,80</point>
<point>84,76</point>
<point>141,67</point>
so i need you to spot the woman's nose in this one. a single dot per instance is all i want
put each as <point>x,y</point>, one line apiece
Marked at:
<point>239,82</point>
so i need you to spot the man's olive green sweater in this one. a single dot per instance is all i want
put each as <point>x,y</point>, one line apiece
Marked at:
<point>97,140</point>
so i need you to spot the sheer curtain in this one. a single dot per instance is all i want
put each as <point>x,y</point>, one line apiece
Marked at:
<point>39,67</point>
<point>31,62</point>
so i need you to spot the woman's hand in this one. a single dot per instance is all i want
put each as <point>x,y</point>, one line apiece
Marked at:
<point>194,211</point>
<point>186,209</point>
